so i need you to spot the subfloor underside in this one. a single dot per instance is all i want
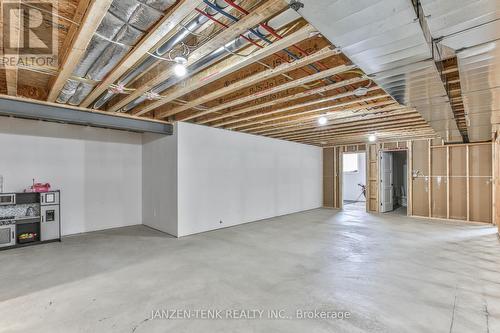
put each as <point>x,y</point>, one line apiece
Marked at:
<point>390,272</point>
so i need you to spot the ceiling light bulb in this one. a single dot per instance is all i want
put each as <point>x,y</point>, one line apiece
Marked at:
<point>361,91</point>
<point>372,138</point>
<point>180,70</point>
<point>181,60</point>
<point>322,120</point>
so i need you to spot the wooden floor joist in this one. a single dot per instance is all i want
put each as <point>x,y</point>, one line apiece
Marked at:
<point>295,83</point>
<point>258,77</point>
<point>348,114</point>
<point>11,70</point>
<point>414,120</point>
<point>92,20</point>
<point>345,116</point>
<point>260,14</point>
<point>166,26</point>
<point>276,88</point>
<point>376,117</point>
<point>292,107</point>
<point>276,101</point>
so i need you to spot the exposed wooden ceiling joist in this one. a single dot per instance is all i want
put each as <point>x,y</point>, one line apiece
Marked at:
<point>226,67</point>
<point>93,17</point>
<point>307,115</point>
<point>277,101</point>
<point>11,71</point>
<point>295,83</point>
<point>340,123</point>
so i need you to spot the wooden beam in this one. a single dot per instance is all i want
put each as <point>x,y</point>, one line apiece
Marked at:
<point>292,107</point>
<point>260,14</point>
<point>95,13</point>
<point>166,26</point>
<point>311,114</point>
<point>11,70</point>
<point>73,29</point>
<point>277,101</point>
<point>258,77</point>
<point>376,117</point>
<point>344,116</point>
<point>295,83</point>
<point>226,67</point>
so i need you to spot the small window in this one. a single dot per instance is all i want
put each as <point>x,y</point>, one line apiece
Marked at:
<point>350,163</point>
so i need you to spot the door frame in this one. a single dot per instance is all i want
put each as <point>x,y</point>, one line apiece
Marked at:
<point>409,178</point>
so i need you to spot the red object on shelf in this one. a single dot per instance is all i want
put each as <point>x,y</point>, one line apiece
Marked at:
<point>40,187</point>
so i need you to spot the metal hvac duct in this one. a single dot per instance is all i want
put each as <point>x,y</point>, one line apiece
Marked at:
<point>124,24</point>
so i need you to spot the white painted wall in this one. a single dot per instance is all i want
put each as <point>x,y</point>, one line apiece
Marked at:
<point>237,178</point>
<point>350,180</point>
<point>97,170</point>
<point>159,182</point>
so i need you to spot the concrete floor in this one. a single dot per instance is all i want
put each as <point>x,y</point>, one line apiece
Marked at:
<point>392,273</point>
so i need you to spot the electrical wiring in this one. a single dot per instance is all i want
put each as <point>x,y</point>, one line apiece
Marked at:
<point>264,38</point>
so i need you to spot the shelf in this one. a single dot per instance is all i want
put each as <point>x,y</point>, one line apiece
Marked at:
<point>27,220</point>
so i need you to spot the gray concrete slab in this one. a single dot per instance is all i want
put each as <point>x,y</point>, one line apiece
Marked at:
<point>391,273</point>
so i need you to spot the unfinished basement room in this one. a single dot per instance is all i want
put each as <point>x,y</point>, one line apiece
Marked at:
<point>250,166</point>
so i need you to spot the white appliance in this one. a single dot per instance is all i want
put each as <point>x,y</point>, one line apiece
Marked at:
<point>7,199</point>
<point>49,216</point>
<point>7,231</point>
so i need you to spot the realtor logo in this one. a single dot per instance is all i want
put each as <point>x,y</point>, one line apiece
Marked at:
<point>29,33</point>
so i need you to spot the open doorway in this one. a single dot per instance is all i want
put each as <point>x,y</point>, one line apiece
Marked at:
<point>354,180</point>
<point>393,181</point>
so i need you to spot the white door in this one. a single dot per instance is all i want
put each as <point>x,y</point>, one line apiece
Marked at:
<point>386,182</point>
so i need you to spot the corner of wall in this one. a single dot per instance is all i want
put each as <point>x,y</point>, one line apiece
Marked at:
<point>160,182</point>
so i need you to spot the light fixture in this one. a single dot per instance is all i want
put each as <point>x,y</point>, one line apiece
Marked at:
<point>361,91</point>
<point>180,70</point>
<point>372,138</point>
<point>322,120</point>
